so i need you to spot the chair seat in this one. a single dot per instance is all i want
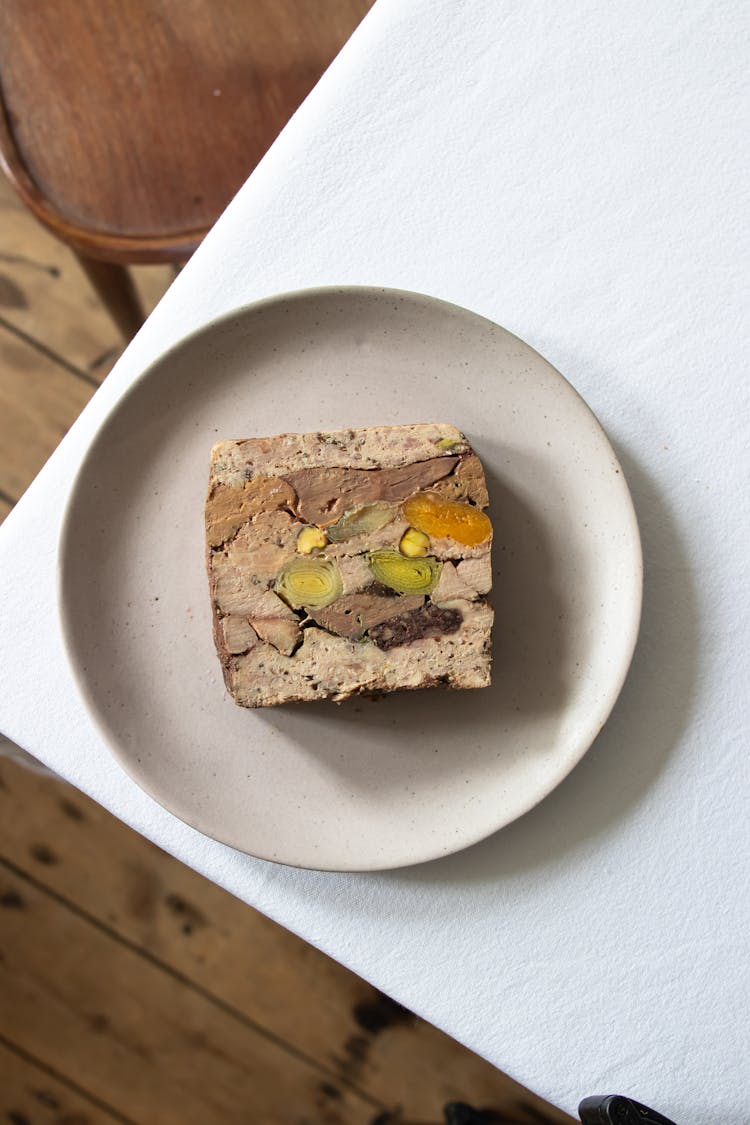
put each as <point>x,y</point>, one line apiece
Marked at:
<point>129,126</point>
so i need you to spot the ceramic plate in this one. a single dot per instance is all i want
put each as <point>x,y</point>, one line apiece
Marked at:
<point>364,785</point>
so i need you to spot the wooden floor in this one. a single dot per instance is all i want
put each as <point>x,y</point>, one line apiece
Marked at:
<point>131,989</point>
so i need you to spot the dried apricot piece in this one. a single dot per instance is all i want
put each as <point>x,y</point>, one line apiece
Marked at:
<point>437,517</point>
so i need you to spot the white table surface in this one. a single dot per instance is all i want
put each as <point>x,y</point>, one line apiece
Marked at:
<point>574,172</point>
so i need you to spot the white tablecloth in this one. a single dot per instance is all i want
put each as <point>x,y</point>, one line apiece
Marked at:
<point>577,173</point>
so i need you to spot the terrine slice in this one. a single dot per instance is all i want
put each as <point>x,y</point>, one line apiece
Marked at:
<point>346,562</point>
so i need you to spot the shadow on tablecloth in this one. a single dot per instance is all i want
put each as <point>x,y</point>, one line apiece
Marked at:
<point>646,724</point>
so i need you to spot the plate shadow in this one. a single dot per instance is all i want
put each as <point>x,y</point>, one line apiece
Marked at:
<point>645,727</point>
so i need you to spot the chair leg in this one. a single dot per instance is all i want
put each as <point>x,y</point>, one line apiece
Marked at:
<point>117,292</point>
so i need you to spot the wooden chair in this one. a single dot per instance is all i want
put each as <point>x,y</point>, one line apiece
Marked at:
<point>126,126</point>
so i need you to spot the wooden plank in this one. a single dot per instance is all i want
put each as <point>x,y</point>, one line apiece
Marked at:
<point>32,1095</point>
<point>240,956</point>
<point>140,1039</point>
<point>5,507</point>
<point>45,294</point>
<point>39,401</point>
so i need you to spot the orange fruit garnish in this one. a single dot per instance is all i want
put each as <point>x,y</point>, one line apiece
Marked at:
<point>438,517</point>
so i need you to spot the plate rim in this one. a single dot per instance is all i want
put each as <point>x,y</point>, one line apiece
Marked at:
<point>592,729</point>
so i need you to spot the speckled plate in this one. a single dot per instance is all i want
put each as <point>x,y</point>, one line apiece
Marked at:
<point>366,785</point>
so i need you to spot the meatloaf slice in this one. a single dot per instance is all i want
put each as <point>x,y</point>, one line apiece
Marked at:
<point>349,562</point>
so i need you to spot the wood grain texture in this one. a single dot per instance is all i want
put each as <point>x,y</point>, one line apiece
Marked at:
<point>129,127</point>
<point>45,294</point>
<point>39,401</point>
<point>247,962</point>
<point>31,1094</point>
<point>138,1038</point>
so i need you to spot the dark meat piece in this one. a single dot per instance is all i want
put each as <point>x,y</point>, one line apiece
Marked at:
<point>429,621</point>
<point>352,615</point>
<point>323,495</point>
